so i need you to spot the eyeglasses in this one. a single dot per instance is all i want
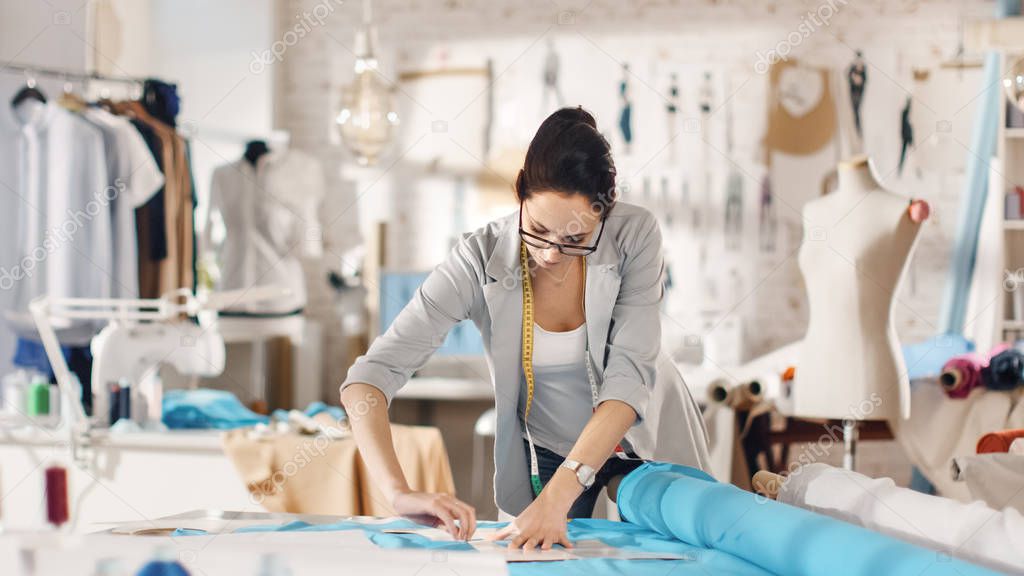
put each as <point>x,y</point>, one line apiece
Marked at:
<point>566,249</point>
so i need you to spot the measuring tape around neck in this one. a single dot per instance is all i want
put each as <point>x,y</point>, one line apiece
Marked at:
<point>528,321</point>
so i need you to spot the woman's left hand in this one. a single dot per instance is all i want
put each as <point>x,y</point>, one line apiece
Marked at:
<point>542,524</point>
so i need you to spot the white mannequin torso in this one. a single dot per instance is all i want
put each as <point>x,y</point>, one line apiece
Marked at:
<point>856,247</point>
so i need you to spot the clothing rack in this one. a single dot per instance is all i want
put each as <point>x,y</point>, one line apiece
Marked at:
<point>66,75</point>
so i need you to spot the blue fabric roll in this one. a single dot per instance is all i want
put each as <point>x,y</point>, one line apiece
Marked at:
<point>691,506</point>
<point>205,409</point>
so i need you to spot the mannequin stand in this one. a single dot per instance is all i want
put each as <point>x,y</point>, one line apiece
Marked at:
<point>850,435</point>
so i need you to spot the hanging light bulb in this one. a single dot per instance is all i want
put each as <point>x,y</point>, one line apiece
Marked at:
<point>367,118</point>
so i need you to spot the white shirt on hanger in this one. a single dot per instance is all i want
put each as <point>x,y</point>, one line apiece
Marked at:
<point>133,172</point>
<point>56,213</point>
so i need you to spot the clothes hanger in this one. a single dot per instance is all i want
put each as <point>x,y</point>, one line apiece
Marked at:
<point>28,92</point>
<point>71,101</point>
<point>255,149</point>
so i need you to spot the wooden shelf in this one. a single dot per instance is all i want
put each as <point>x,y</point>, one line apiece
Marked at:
<point>1013,224</point>
<point>1014,133</point>
<point>1013,324</point>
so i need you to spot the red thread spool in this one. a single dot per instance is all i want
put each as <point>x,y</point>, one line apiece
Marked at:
<point>56,495</point>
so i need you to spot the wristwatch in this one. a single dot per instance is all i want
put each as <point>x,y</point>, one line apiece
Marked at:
<point>584,474</point>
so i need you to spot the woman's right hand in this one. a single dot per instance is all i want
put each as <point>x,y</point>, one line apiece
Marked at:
<point>438,509</point>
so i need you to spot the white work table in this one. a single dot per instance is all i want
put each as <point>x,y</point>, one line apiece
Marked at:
<point>131,476</point>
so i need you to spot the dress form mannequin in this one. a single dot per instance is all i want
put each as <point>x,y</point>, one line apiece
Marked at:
<point>857,244</point>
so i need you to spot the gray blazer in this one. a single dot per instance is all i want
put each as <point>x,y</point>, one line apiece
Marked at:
<point>480,280</point>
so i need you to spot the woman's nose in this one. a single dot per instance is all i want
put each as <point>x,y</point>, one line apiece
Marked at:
<point>552,255</point>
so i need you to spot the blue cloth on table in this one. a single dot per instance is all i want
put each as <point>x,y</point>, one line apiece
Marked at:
<point>690,505</point>
<point>337,413</point>
<point>618,534</point>
<point>926,359</point>
<point>205,409</point>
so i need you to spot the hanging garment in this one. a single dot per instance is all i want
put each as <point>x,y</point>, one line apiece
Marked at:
<point>801,112</point>
<point>159,275</point>
<point>973,532</point>
<point>134,174</point>
<point>734,211</point>
<point>768,222</point>
<point>626,114</point>
<point>58,213</point>
<point>269,213</point>
<point>906,134</point>
<point>857,76</point>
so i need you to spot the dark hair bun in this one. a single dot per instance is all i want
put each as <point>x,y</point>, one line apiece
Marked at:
<point>568,155</point>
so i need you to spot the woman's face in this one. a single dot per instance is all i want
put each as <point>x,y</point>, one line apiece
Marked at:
<point>562,218</point>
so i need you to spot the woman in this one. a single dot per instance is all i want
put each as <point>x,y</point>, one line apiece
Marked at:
<point>584,275</point>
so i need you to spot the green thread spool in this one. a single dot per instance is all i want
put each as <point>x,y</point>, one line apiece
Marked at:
<point>38,398</point>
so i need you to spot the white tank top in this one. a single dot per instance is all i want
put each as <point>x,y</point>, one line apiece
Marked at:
<point>562,402</point>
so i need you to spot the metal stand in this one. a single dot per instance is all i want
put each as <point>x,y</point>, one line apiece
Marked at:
<point>850,434</point>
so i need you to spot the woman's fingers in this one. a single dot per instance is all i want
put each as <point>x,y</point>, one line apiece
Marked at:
<point>449,521</point>
<point>563,539</point>
<point>530,544</point>
<point>517,542</point>
<point>467,518</point>
<point>506,531</point>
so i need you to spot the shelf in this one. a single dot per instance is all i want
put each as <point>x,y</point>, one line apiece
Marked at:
<point>1013,324</point>
<point>1004,35</point>
<point>1014,133</point>
<point>1013,224</point>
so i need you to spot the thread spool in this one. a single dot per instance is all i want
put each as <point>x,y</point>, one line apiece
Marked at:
<point>998,442</point>
<point>961,374</point>
<point>720,391</point>
<point>1005,371</point>
<point>56,495</point>
<point>748,394</point>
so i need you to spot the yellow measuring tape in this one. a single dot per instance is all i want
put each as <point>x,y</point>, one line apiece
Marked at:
<point>524,266</point>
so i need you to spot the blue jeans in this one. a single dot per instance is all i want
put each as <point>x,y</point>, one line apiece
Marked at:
<point>548,462</point>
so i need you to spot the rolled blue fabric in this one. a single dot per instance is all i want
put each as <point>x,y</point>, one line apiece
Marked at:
<point>689,505</point>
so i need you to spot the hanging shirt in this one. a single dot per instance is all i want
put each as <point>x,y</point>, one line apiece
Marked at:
<point>134,174</point>
<point>58,210</point>
<point>270,217</point>
<point>562,400</point>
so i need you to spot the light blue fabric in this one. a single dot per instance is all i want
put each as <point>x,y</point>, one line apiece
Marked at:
<point>926,359</point>
<point>701,562</point>
<point>204,409</point>
<point>782,539</point>
<point>336,413</point>
<point>972,201</point>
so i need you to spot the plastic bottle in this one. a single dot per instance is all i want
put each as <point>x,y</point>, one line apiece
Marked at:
<point>15,386</point>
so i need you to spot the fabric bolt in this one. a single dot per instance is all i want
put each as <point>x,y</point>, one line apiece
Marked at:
<point>1005,371</point>
<point>562,400</point>
<point>973,532</point>
<point>134,175</point>
<point>998,441</point>
<point>688,504</point>
<point>317,475</point>
<point>995,479</point>
<point>269,213</point>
